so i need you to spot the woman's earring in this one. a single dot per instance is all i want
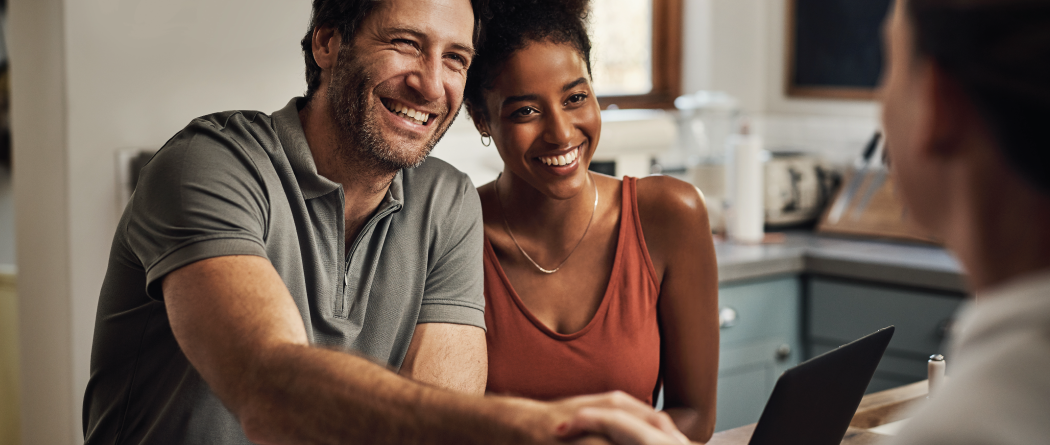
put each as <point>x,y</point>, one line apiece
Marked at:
<point>485,142</point>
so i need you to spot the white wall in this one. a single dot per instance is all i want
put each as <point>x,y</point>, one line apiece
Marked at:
<point>738,46</point>
<point>38,120</point>
<point>91,77</point>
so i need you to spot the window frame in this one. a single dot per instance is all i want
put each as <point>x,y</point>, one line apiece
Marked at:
<point>666,65</point>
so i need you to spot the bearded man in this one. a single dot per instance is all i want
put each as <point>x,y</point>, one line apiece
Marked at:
<point>309,276</point>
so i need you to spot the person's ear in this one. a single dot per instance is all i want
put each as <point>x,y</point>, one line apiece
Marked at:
<point>950,112</point>
<point>480,123</point>
<point>325,45</point>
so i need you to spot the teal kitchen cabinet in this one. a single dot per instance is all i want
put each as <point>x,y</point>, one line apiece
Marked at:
<point>840,311</point>
<point>760,338</point>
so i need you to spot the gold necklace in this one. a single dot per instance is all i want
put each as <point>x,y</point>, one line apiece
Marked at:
<point>507,226</point>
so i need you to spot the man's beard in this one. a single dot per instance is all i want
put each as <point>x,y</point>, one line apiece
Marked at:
<point>356,118</point>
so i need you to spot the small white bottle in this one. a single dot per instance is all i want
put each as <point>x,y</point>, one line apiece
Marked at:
<point>746,213</point>
<point>935,374</point>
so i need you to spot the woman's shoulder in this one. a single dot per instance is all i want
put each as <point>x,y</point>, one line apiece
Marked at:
<point>674,218</point>
<point>670,200</point>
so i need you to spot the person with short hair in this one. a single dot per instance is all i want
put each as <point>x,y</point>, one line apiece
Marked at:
<point>592,283</point>
<point>308,276</point>
<point>966,98</point>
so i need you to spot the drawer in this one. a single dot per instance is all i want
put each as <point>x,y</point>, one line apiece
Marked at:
<point>747,373</point>
<point>778,354</point>
<point>840,312</point>
<point>762,309</point>
<point>742,396</point>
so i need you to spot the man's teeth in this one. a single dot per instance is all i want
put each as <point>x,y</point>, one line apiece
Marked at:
<point>419,116</point>
<point>564,159</point>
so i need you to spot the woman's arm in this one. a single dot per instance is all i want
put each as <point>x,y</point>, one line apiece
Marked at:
<point>678,236</point>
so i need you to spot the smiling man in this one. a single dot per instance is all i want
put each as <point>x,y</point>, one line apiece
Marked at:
<point>965,105</point>
<point>309,276</point>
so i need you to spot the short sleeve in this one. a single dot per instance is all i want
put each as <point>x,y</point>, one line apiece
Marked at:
<point>201,196</point>
<point>454,290</point>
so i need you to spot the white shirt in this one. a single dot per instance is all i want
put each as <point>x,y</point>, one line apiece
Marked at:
<point>998,390</point>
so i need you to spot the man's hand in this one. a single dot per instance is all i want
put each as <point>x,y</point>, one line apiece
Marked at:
<point>620,418</point>
<point>622,428</point>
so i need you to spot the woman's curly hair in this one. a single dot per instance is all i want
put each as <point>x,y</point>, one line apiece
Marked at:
<point>513,25</point>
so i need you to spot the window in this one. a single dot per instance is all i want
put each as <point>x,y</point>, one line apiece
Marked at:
<point>637,52</point>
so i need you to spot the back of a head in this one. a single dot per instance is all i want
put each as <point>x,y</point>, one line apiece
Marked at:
<point>512,25</point>
<point>999,52</point>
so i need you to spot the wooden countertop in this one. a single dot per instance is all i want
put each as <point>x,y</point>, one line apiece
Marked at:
<point>875,409</point>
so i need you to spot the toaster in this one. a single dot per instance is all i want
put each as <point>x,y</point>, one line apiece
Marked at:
<point>798,187</point>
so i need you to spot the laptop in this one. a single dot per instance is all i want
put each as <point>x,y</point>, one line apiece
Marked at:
<point>814,402</point>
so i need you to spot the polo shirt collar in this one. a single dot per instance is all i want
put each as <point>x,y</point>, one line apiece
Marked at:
<point>290,131</point>
<point>395,195</point>
<point>293,139</point>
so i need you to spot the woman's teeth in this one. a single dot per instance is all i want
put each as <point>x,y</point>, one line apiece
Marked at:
<point>559,160</point>
<point>419,117</point>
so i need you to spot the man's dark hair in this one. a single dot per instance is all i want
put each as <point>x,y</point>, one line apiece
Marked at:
<point>513,25</point>
<point>999,52</point>
<point>346,16</point>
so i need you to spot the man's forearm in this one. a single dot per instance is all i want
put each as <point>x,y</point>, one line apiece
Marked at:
<point>237,325</point>
<point>302,394</point>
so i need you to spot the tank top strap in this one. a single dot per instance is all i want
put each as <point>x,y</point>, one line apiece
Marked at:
<point>631,223</point>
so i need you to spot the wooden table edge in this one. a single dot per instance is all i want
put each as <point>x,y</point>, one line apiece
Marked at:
<point>875,409</point>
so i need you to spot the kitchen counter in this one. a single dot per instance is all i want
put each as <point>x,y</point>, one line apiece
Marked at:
<point>891,262</point>
<point>813,293</point>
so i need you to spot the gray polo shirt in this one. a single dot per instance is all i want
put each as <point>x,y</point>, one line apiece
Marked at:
<point>245,183</point>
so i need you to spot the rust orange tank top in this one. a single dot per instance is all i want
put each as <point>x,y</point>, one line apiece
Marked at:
<point>618,349</point>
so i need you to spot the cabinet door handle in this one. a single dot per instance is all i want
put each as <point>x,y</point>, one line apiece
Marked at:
<point>783,351</point>
<point>727,317</point>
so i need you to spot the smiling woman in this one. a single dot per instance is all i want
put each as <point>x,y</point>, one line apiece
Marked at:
<point>612,283</point>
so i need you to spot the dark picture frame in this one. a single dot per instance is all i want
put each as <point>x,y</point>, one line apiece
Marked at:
<point>834,48</point>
